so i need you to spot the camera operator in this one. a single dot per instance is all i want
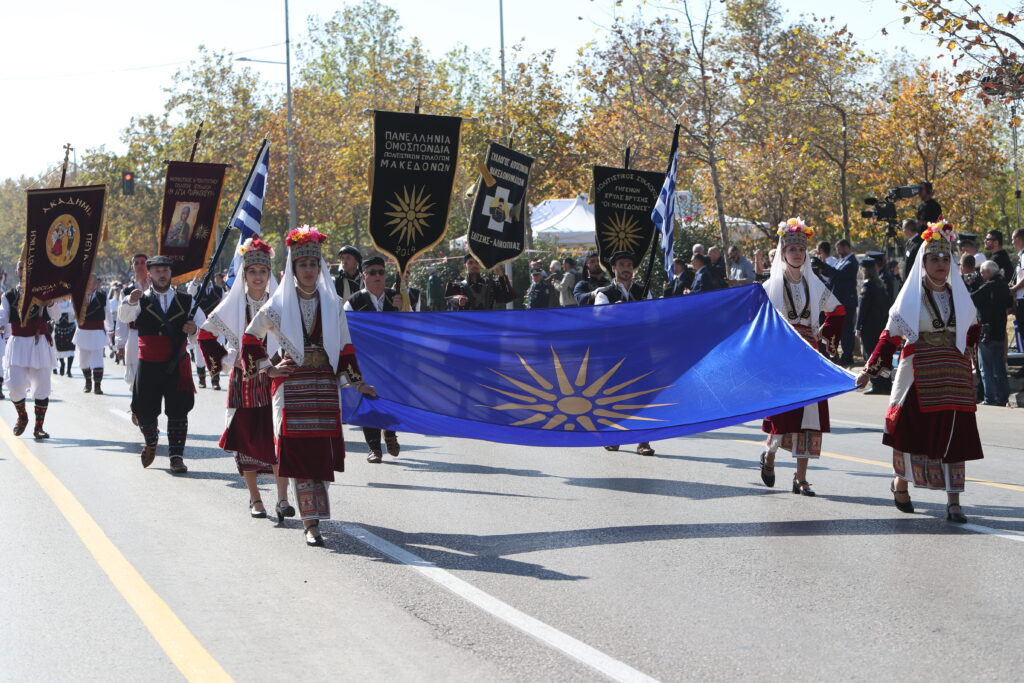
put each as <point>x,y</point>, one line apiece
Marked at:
<point>912,234</point>
<point>929,210</point>
<point>969,272</point>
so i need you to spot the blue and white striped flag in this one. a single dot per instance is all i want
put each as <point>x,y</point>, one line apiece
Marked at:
<point>664,211</point>
<point>249,213</point>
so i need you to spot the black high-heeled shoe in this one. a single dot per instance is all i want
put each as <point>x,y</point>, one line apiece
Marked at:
<point>283,511</point>
<point>253,512</point>
<point>908,506</point>
<point>956,517</point>
<point>767,473</point>
<point>802,488</point>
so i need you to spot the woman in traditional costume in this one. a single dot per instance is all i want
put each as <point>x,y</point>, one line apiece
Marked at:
<point>801,297</point>
<point>64,329</point>
<point>930,424</point>
<point>306,317</point>
<point>249,432</point>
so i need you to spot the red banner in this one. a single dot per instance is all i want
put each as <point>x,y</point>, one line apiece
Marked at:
<point>189,216</point>
<point>63,232</point>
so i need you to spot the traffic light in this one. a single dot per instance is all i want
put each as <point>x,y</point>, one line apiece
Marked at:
<point>127,183</point>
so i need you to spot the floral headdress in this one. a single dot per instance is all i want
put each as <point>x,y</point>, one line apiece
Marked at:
<point>304,241</point>
<point>938,237</point>
<point>255,252</point>
<point>794,231</point>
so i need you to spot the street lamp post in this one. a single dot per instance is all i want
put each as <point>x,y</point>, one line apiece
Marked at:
<point>288,127</point>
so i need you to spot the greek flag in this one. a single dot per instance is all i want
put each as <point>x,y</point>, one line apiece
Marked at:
<point>665,210</point>
<point>249,211</point>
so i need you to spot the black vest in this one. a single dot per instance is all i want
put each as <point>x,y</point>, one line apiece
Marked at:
<point>363,301</point>
<point>150,322</point>
<point>15,313</point>
<point>209,300</point>
<point>614,294</point>
<point>97,308</point>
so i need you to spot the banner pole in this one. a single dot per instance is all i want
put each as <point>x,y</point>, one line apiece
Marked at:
<point>195,143</point>
<point>64,170</point>
<point>625,160</point>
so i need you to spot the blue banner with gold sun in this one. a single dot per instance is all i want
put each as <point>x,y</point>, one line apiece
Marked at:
<point>588,376</point>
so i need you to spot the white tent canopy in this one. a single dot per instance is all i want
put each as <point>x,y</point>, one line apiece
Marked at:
<point>566,222</point>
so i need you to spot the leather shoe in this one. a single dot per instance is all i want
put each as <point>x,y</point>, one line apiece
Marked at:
<point>374,456</point>
<point>391,441</point>
<point>611,448</point>
<point>645,449</point>
<point>148,455</point>
<point>178,465</point>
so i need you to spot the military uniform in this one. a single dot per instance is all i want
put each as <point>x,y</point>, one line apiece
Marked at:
<point>481,292</point>
<point>872,316</point>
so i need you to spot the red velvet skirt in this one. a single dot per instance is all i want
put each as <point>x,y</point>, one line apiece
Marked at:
<point>251,433</point>
<point>946,435</point>
<point>789,421</point>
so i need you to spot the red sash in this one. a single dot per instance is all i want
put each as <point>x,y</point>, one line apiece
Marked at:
<point>91,325</point>
<point>33,329</point>
<point>156,348</point>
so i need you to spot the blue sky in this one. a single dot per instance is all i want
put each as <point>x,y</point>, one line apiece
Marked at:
<point>70,71</point>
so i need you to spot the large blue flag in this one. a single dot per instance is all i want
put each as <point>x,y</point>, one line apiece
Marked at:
<point>587,376</point>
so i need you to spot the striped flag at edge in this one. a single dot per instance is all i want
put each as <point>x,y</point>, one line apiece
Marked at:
<point>249,214</point>
<point>664,211</point>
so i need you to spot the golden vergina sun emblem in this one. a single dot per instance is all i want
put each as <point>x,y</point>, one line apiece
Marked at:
<point>62,240</point>
<point>622,232</point>
<point>577,402</point>
<point>410,214</point>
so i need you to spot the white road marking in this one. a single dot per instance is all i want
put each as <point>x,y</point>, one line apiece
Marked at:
<point>1009,535</point>
<point>581,652</point>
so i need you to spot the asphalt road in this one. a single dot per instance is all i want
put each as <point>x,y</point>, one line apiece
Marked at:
<point>466,560</point>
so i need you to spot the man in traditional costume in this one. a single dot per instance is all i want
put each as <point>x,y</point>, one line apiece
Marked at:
<point>164,373</point>
<point>91,336</point>
<point>801,297</point>
<point>348,283</point>
<point>29,357</point>
<point>592,280</point>
<point>249,430</point>
<point>477,291</point>
<point>623,288</point>
<point>930,424</point>
<point>306,316</point>
<point>375,297</point>
<point>208,344</point>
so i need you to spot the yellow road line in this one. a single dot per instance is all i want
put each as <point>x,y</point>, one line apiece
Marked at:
<point>191,658</point>
<point>888,465</point>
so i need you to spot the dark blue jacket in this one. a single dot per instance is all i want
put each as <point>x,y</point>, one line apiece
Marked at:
<point>706,280</point>
<point>844,280</point>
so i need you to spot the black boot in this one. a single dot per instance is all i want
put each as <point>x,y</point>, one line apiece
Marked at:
<point>70,361</point>
<point>40,406</point>
<point>215,380</point>
<point>87,374</point>
<point>61,369</point>
<point>97,375</point>
<point>202,377</point>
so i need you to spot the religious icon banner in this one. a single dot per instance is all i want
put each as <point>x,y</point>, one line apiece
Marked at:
<point>64,227</point>
<point>188,219</point>
<point>414,160</point>
<point>623,202</point>
<point>497,227</point>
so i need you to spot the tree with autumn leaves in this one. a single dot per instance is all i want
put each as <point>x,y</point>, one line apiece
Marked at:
<point>779,117</point>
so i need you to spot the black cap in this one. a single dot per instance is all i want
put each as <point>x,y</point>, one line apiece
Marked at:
<point>965,237</point>
<point>868,261</point>
<point>158,261</point>
<point>374,261</point>
<point>878,256</point>
<point>621,255</point>
<point>349,249</point>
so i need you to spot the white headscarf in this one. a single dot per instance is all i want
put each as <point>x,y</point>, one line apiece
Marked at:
<point>905,314</point>
<point>775,287</point>
<point>228,318</point>
<point>283,309</point>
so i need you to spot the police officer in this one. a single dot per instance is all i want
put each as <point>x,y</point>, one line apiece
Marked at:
<point>872,316</point>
